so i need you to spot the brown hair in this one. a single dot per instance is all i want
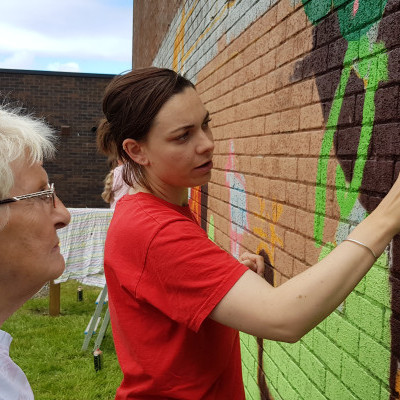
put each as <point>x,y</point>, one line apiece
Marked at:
<point>131,103</point>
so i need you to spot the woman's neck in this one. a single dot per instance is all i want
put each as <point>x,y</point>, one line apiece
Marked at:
<point>177,197</point>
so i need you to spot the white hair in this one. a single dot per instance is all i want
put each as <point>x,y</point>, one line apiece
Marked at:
<point>22,137</point>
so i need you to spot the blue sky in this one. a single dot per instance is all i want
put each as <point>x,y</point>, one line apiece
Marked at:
<point>92,36</point>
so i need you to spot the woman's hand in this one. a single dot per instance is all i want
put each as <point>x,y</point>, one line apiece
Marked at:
<point>254,262</point>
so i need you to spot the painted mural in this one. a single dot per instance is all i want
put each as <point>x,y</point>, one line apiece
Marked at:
<point>237,203</point>
<point>266,248</point>
<point>352,105</point>
<point>356,78</point>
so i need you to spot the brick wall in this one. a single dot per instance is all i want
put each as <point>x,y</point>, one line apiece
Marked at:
<point>151,20</point>
<point>304,99</point>
<point>72,101</point>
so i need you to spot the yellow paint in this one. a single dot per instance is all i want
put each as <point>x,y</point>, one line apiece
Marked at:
<point>397,385</point>
<point>195,202</point>
<point>179,51</point>
<point>273,238</point>
<point>178,43</point>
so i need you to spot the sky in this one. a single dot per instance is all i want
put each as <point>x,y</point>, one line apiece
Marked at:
<point>90,36</point>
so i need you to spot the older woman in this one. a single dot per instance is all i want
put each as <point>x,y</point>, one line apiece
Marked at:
<point>30,214</point>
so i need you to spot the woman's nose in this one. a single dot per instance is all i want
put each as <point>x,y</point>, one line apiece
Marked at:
<point>206,143</point>
<point>63,217</point>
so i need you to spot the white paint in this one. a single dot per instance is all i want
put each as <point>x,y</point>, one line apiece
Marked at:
<point>233,21</point>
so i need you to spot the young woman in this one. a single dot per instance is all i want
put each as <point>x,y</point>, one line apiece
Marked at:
<point>176,299</point>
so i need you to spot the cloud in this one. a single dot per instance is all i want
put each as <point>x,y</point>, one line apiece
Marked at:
<point>65,67</point>
<point>18,60</point>
<point>102,46</point>
<point>66,29</point>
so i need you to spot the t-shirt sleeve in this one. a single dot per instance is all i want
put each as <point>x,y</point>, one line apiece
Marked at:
<point>185,274</point>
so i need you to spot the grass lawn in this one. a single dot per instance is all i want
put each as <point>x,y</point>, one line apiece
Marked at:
<point>48,349</point>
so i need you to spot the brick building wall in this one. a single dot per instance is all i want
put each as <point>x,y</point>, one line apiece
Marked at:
<point>151,20</point>
<point>70,103</point>
<point>304,99</point>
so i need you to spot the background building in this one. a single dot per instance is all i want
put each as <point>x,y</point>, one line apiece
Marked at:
<point>71,103</point>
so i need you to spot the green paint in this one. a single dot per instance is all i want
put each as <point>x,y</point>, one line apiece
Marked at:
<point>358,380</point>
<point>374,357</point>
<point>372,70</point>
<point>352,346</point>
<point>352,26</point>
<point>249,351</point>
<point>211,229</point>
<point>317,9</point>
<point>327,143</point>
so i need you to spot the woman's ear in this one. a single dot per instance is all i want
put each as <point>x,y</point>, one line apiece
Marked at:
<point>135,151</point>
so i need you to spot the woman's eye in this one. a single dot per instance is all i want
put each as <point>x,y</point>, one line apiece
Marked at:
<point>206,122</point>
<point>45,197</point>
<point>183,137</point>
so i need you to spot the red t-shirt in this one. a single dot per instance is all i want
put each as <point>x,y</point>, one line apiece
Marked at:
<point>164,277</point>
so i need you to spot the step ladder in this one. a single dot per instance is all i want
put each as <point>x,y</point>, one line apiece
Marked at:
<point>95,320</point>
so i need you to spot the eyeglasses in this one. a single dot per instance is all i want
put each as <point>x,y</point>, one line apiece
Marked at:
<point>44,194</point>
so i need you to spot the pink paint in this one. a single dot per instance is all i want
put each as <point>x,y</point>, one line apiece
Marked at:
<point>237,203</point>
<point>355,7</point>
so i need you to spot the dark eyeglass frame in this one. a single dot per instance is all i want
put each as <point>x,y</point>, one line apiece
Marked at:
<point>51,192</point>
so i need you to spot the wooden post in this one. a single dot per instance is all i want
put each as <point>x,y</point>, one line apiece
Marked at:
<point>54,300</point>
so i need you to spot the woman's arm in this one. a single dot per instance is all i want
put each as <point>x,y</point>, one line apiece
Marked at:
<point>287,312</point>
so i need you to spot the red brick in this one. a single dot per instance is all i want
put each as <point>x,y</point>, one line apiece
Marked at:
<point>298,267</point>
<point>330,230</point>
<point>287,168</point>
<point>238,61</point>
<point>283,99</point>
<point>258,186</point>
<point>285,52</point>
<point>277,35</point>
<point>264,144</point>
<point>279,143</point>
<point>268,62</point>
<point>316,142</point>
<point>251,53</point>
<point>258,129</point>
<point>307,170</point>
<point>284,9</point>
<point>294,244</point>
<point>296,194</point>
<point>311,198</point>
<point>305,223</point>
<point>147,39</point>
<point>284,75</point>
<point>287,218</point>
<point>296,22</point>
<point>256,164</point>
<point>283,263</point>
<point>303,42</point>
<point>272,123</point>
<point>312,252</point>
<point>278,190</point>
<point>299,144</point>
<point>222,43</point>
<point>289,121</point>
<point>311,117</point>
<point>271,79</point>
<point>302,93</point>
<point>332,206</point>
